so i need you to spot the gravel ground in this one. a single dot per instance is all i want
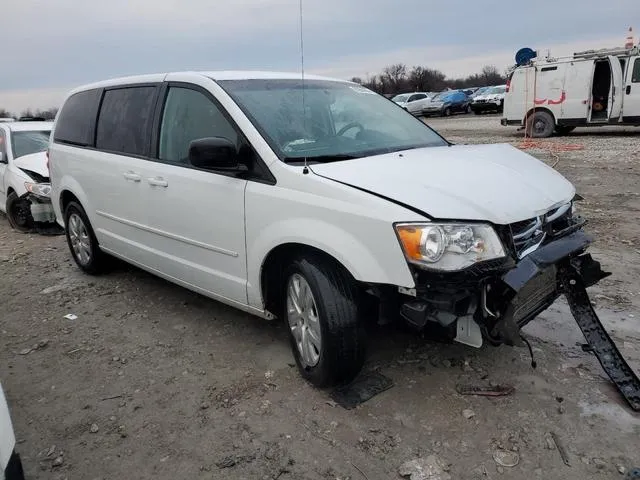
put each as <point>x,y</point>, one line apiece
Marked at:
<point>153,381</point>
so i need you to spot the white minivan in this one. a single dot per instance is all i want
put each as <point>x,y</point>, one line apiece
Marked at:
<point>316,201</point>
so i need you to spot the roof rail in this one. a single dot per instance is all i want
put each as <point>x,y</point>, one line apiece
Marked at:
<point>606,52</point>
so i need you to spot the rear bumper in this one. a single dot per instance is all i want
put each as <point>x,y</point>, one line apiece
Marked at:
<point>506,122</point>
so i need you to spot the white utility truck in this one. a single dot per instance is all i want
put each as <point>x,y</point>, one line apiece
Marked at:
<point>589,88</point>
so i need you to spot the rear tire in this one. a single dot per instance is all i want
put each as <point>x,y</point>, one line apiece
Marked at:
<point>325,328</point>
<point>540,125</point>
<point>446,112</point>
<point>19,213</point>
<point>82,241</point>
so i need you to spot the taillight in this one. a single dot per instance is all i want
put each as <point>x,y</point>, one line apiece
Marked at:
<point>47,155</point>
<point>508,84</point>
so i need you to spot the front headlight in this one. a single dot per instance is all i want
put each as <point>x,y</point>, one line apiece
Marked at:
<point>39,189</point>
<point>448,246</point>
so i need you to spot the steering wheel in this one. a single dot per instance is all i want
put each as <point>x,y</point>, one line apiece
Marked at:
<point>348,127</point>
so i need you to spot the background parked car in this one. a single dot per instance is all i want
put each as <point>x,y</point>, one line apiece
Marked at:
<point>480,91</point>
<point>24,176</point>
<point>448,103</point>
<point>491,100</point>
<point>413,102</point>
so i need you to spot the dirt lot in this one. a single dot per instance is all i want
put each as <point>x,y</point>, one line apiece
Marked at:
<point>153,381</point>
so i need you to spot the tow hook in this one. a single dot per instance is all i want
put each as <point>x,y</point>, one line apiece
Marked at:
<point>599,341</point>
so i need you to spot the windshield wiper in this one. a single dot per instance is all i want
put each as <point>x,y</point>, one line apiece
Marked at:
<point>322,158</point>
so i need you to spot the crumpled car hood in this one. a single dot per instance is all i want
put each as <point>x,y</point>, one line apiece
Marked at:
<point>495,183</point>
<point>35,162</point>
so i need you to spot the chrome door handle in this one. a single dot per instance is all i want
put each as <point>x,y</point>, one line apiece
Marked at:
<point>158,182</point>
<point>134,177</point>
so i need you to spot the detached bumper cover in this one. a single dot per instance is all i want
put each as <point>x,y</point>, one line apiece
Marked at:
<point>565,270</point>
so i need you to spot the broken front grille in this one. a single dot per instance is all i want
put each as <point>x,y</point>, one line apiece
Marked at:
<point>529,234</point>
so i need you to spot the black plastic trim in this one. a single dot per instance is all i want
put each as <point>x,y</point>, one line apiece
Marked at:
<point>14,470</point>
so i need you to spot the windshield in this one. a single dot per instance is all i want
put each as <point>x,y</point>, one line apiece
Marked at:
<point>496,90</point>
<point>26,143</point>
<point>400,98</point>
<point>341,120</point>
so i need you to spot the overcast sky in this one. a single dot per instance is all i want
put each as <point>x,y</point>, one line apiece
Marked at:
<point>51,46</point>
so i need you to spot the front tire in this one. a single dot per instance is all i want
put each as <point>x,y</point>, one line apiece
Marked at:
<point>82,240</point>
<point>19,213</point>
<point>325,329</point>
<point>446,112</point>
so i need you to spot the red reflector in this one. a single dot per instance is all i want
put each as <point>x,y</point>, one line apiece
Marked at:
<point>47,155</point>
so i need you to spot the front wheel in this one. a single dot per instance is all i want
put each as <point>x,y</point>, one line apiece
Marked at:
<point>19,213</point>
<point>326,331</point>
<point>446,112</point>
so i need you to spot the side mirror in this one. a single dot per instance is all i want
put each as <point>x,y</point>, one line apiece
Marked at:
<point>215,153</point>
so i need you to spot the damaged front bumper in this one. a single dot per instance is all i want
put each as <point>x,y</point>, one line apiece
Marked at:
<point>494,302</point>
<point>43,214</point>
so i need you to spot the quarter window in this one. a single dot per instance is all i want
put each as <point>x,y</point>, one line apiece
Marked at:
<point>125,119</point>
<point>77,119</point>
<point>190,115</point>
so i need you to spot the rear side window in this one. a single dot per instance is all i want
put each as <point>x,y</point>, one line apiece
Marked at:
<point>635,77</point>
<point>125,119</point>
<point>77,119</point>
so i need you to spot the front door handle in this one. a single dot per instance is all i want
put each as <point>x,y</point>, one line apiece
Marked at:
<point>158,182</point>
<point>134,177</point>
<point>628,89</point>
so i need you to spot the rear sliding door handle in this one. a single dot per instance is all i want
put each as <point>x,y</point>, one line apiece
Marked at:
<point>158,182</point>
<point>628,89</point>
<point>134,177</point>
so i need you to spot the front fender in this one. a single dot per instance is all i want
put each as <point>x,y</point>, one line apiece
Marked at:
<point>16,179</point>
<point>353,253</point>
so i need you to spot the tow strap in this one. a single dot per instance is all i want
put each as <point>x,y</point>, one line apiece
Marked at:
<point>594,332</point>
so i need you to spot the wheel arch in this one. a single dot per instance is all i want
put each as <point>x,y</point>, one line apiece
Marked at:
<point>533,110</point>
<point>273,268</point>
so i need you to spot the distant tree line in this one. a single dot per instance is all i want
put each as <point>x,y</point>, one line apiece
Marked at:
<point>48,114</point>
<point>394,79</point>
<point>399,78</point>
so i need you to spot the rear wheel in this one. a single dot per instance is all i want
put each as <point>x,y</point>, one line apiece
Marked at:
<point>446,112</point>
<point>19,213</point>
<point>325,329</point>
<point>82,240</point>
<point>540,125</point>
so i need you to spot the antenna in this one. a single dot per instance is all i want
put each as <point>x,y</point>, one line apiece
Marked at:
<point>304,107</point>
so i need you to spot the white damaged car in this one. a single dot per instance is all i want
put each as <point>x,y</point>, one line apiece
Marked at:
<point>10,463</point>
<point>319,202</point>
<point>24,176</point>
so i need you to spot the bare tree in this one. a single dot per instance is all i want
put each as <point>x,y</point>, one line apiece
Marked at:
<point>5,113</point>
<point>394,78</point>
<point>491,75</point>
<point>426,79</point>
<point>356,80</point>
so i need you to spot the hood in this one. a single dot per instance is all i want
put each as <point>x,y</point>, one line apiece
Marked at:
<point>495,183</point>
<point>35,162</point>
